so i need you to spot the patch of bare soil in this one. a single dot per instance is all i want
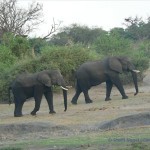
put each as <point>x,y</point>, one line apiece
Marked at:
<point>79,118</point>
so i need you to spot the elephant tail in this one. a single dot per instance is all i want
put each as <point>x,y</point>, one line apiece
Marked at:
<point>77,85</point>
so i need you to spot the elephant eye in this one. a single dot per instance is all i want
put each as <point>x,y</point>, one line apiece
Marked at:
<point>124,65</point>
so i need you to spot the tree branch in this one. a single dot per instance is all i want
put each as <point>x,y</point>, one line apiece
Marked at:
<point>17,20</point>
<point>54,28</point>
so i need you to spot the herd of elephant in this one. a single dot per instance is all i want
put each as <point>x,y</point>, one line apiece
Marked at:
<point>89,74</point>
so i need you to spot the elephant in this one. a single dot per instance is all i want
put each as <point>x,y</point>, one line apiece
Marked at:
<point>36,85</point>
<point>93,73</point>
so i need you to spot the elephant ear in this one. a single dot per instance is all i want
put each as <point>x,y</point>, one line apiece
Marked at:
<point>115,65</point>
<point>44,79</point>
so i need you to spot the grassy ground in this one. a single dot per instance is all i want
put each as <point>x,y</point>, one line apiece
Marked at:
<point>117,140</point>
<point>74,129</point>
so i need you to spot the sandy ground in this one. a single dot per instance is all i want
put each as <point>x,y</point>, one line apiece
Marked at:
<point>77,119</point>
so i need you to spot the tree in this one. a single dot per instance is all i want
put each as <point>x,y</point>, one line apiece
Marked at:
<point>118,31</point>
<point>111,44</point>
<point>18,21</point>
<point>76,34</point>
<point>84,34</point>
<point>18,45</point>
<point>137,29</point>
<point>37,43</point>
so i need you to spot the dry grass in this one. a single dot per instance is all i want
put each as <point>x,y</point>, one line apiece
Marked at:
<point>81,114</point>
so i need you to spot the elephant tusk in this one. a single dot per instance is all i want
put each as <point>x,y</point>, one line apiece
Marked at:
<point>64,88</point>
<point>137,71</point>
<point>69,86</point>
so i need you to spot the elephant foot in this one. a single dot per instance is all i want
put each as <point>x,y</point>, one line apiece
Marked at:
<point>89,101</point>
<point>107,99</point>
<point>18,115</point>
<point>52,112</point>
<point>125,97</point>
<point>74,103</point>
<point>33,113</point>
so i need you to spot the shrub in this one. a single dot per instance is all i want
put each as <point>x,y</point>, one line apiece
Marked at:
<point>6,57</point>
<point>111,45</point>
<point>67,59</point>
<point>18,45</point>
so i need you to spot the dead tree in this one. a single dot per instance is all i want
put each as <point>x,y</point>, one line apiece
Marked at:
<point>19,21</point>
<point>53,29</point>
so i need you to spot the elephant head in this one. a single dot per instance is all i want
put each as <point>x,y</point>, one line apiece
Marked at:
<point>120,64</point>
<point>53,77</point>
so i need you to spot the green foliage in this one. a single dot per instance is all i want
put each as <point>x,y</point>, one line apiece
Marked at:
<point>137,29</point>
<point>67,50</point>
<point>140,54</point>
<point>68,59</point>
<point>119,31</point>
<point>111,44</point>
<point>76,34</point>
<point>18,45</point>
<point>37,44</point>
<point>6,58</point>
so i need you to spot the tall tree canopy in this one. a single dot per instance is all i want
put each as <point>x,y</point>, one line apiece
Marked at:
<point>76,34</point>
<point>137,29</point>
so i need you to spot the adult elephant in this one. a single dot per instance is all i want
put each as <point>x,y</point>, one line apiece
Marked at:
<point>95,72</point>
<point>35,85</point>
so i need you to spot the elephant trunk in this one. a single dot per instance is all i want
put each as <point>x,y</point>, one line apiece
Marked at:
<point>65,99</point>
<point>64,89</point>
<point>134,76</point>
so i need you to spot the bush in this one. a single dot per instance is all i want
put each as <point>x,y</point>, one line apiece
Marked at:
<point>67,59</point>
<point>111,45</point>
<point>18,45</point>
<point>6,58</point>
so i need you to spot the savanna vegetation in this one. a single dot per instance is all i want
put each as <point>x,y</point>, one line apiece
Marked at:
<point>64,48</point>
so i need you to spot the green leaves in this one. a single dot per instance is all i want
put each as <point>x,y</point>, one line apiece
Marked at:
<point>18,45</point>
<point>67,50</point>
<point>111,44</point>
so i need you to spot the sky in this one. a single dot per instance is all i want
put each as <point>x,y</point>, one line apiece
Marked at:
<point>105,14</point>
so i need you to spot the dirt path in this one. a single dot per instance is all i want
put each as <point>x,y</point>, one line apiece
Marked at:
<point>81,114</point>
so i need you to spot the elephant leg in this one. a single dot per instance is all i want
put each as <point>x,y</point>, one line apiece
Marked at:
<point>37,105</point>
<point>87,98</point>
<point>38,97</point>
<point>76,96</point>
<point>19,101</point>
<point>109,86</point>
<point>49,97</point>
<point>18,108</point>
<point>117,82</point>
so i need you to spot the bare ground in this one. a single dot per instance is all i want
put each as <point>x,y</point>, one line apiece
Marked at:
<point>79,118</point>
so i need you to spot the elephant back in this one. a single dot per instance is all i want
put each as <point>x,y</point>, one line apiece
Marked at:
<point>25,80</point>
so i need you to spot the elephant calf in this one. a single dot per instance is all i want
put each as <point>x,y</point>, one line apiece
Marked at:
<point>95,72</point>
<point>35,85</point>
